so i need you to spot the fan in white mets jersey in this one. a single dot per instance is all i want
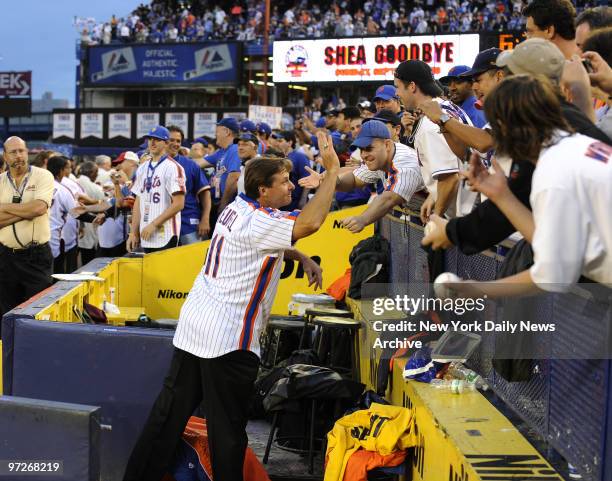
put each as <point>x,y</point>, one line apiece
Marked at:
<point>160,196</point>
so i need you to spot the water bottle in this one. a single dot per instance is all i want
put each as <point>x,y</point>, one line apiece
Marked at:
<point>455,386</point>
<point>456,370</point>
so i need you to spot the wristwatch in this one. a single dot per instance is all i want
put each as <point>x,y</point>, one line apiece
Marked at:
<point>444,117</point>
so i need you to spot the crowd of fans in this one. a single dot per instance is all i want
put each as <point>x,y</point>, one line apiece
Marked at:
<point>563,83</point>
<point>164,21</point>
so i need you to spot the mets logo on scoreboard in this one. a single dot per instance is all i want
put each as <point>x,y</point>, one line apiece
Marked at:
<point>296,60</point>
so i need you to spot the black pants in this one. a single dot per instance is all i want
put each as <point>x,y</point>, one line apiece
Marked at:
<point>172,243</point>
<point>223,385</point>
<point>67,261</point>
<point>118,251</point>
<point>23,274</point>
<point>87,255</point>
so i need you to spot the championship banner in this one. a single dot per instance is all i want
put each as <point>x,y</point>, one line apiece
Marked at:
<point>204,123</point>
<point>119,125</point>
<point>91,125</point>
<point>270,115</point>
<point>368,59</point>
<point>193,63</point>
<point>63,125</point>
<point>179,119</point>
<point>145,122</point>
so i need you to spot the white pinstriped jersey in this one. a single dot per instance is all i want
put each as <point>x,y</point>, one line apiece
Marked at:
<point>404,177</point>
<point>70,231</point>
<point>232,296</point>
<point>59,215</point>
<point>435,156</point>
<point>154,187</point>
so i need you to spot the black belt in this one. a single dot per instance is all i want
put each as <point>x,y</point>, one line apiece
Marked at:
<point>28,249</point>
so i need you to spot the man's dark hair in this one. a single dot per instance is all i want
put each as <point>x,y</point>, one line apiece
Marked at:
<point>56,164</point>
<point>351,113</point>
<point>272,152</point>
<point>40,158</point>
<point>176,128</point>
<point>525,114</point>
<point>289,136</point>
<point>553,13</point>
<point>600,41</point>
<point>88,169</point>
<point>598,17</point>
<point>260,172</point>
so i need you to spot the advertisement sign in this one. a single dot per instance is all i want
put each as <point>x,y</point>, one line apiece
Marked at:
<point>178,119</point>
<point>15,84</point>
<point>368,59</point>
<point>270,115</point>
<point>194,63</point>
<point>145,122</point>
<point>204,124</point>
<point>91,125</point>
<point>63,125</point>
<point>119,125</point>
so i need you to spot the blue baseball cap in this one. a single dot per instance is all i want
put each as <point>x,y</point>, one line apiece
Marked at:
<point>484,61</point>
<point>320,123</point>
<point>264,128</point>
<point>160,132</point>
<point>374,129</point>
<point>386,92</point>
<point>248,126</point>
<point>231,123</point>
<point>454,74</point>
<point>249,137</point>
<point>200,140</point>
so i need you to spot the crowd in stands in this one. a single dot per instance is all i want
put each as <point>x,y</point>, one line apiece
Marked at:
<point>164,21</point>
<point>561,109</point>
<point>517,144</point>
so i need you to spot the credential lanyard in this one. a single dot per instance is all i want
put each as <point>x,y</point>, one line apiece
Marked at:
<point>151,173</point>
<point>23,185</point>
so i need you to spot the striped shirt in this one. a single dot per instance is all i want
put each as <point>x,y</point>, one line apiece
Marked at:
<point>59,215</point>
<point>232,296</point>
<point>435,156</point>
<point>155,184</point>
<point>404,177</point>
<point>70,231</point>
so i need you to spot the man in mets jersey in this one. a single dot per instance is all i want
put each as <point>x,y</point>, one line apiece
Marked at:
<point>160,197</point>
<point>217,339</point>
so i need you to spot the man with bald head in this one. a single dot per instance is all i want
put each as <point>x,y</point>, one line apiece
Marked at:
<point>26,193</point>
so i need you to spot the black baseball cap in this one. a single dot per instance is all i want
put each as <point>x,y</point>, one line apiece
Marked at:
<point>420,73</point>
<point>485,61</point>
<point>288,135</point>
<point>386,116</point>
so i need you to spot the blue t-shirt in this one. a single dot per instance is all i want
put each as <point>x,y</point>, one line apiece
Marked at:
<point>195,182</point>
<point>300,162</point>
<point>225,161</point>
<point>476,116</point>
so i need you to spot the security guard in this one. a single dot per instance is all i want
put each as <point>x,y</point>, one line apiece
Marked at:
<point>25,256</point>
